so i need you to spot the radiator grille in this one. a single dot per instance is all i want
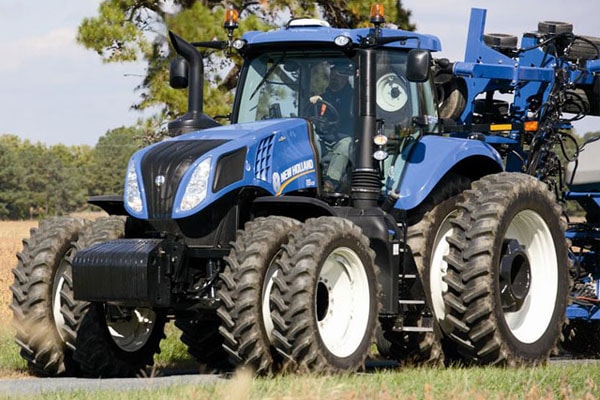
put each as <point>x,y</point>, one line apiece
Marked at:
<point>171,160</point>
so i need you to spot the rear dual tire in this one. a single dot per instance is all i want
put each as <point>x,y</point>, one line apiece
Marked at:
<point>507,272</point>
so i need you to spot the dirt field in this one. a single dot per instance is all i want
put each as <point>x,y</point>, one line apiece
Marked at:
<point>11,235</point>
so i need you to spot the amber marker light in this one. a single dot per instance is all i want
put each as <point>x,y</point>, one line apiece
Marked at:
<point>231,18</point>
<point>377,14</point>
<point>531,126</point>
<point>500,127</point>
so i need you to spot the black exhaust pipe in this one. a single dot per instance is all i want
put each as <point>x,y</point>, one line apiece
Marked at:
<point>366,183</point>
<point>194,119</point>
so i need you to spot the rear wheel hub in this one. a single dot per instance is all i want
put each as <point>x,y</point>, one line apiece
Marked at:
<point>515,275</point>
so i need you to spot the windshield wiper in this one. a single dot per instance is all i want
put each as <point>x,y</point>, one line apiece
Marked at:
<point>267,75</point>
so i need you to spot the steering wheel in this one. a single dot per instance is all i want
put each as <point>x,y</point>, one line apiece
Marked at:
<point>324,116</point>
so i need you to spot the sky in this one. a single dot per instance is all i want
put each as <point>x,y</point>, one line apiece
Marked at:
<point>53,90</point>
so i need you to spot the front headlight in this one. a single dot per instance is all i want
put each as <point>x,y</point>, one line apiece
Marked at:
<point>133,196</point>
<point>197,187</point>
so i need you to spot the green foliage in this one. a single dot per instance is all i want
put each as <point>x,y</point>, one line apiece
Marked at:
<point>39,181</point>
<point>555,381</point>
<point>173,352</point>
<point>116,35</point>
<point>11,362</point>
<point>136,30</point>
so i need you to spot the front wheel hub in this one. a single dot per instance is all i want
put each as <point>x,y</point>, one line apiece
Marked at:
<point>515,275</point>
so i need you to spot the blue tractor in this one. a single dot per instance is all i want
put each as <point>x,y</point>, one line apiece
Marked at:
<point>416,211</point>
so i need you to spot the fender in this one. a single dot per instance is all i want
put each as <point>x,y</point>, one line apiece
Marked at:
<point>433,157</point>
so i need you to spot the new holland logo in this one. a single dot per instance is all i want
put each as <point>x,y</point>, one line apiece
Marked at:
<point>159,180</point>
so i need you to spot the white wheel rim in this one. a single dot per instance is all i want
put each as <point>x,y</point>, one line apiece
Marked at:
<point>438,270</point>
<point>530,322</point>
<point>391,95</point>
<point>57,285</point>
<point>132,334</point>
<point>272,272</point>
<point>342,302</point>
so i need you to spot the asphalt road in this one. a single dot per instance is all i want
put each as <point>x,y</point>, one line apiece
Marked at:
<point>39,386</point>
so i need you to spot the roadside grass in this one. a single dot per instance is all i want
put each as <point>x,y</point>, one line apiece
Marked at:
<point>558,380</point>
<point>11,364</point>
<point>563,382</point>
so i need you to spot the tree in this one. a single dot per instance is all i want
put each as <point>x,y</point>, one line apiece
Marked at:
<point>109,159</point>
<point>39,181</point>
<point>135,30</point>
<point>12,185</point>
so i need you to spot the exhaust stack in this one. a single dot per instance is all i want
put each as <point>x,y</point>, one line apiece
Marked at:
<point>189,73</point>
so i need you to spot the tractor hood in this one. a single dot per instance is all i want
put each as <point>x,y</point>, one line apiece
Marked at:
<point>179,177</point>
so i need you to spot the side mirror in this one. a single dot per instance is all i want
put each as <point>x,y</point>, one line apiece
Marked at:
<point>178,73</point>
<point>418,65</point>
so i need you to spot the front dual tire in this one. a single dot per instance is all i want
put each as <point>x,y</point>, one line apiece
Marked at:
<point>327,299</point>
<point>244,289</point>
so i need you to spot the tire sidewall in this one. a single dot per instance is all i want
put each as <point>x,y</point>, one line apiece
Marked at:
<point>269,257</point>
<point>438,216</point>
<point>537,201</point>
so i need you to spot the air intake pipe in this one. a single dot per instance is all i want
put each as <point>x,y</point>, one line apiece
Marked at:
<point>189,73</point>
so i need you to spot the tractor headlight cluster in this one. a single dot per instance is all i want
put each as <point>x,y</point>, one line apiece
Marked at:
<point>197,187</point>
<point>133,194</point>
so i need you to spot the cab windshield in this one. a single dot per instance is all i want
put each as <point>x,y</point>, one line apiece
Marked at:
<point>284,85</point>
<point>281,85</point>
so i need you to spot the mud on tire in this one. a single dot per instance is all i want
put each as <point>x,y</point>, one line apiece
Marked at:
<point>39,313</point>
<point>507,271</point>
<point>327,298</point>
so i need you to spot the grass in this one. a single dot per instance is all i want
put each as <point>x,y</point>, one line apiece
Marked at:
<point>173,353</point>
<point>551,382</point>
<point>555,381</point>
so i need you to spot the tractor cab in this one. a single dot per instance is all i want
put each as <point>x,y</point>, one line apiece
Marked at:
<point>320,84</point>
<point>319,79</point>
<point>352,87</point>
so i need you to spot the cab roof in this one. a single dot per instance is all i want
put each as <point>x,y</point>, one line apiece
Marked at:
<point>308,30</point>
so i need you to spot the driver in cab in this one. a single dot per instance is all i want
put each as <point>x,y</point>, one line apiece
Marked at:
<point>335,105</point>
